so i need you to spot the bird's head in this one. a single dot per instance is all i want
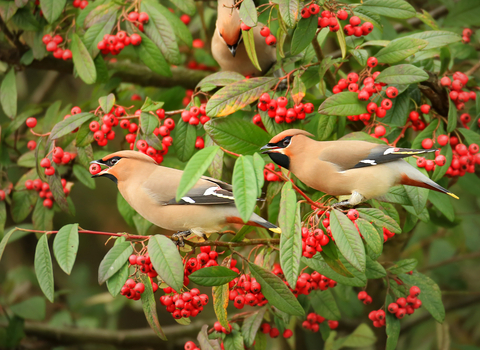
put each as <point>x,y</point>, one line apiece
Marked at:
<point>120,165</point>
<point>228,25</point>
<point>282,146</point>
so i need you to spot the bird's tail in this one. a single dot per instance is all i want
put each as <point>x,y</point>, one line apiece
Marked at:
<point>255,220</point>
<point>413,177</point>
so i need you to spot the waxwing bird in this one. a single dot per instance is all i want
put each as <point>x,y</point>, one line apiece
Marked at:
<point>362,170</point>
<point>150,189</point>
<point>228,48</point>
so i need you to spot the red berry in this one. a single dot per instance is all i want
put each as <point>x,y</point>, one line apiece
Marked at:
<point>442,140</point>
<point>362,295</point>
<point>372,107</point>
<point>143,17</point>
<point>393,308</point>
<point>265,328</point>
<point>440,160</point>
<point>342,15</point>
<point>51,46</point>
<point>425,109</point>
<point>270,40</point>
<point>333,324</point>
<point>46,39</point>
<point>265,31</point>
<point>132,259</point>
<point>414,291</point>
<point>31,145</point>
<point>136,39</point>
<point>445,81</point>
<point>355,21</point>
<point>380,131</point>
<point>372,62</point>
<point>139,287</point>
<point>305,13</point>
<point>31,122</point>
<point>274,332</point>
<point>314,9</point>
<point>427,143</point>
<point>386,104</point>
<point>287,333</point>
<point>45,163</point>
<point>392,92</point>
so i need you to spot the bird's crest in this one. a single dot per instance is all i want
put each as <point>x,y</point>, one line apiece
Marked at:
<point>289,132</point>
<point>129,155</point>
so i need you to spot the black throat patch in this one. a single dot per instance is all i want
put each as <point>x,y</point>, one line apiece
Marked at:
<point>111,177</point>
<point>280,159</point>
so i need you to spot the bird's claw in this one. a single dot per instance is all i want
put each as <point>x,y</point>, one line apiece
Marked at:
<point>179,237</point>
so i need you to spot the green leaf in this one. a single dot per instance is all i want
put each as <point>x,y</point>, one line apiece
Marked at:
<point>68,125</point>
<point>185,136</point>
<point>220,303</point>
<point>96,32</point>
<point>464,13</point>
<point>320,265</point>
<point>248,13</point>
<point>470,136</point>
<point>392,326</point>
<point>426,133</point>
<point>107,103</point>
<point>304,34</point>
<point>99,13</point>
<point>4,241</point>
<point>259,165</point>
<point>430,295</point>
<point>379,218</point>
<point>374,269</point>
<point>204,342</point>
<point>250,326</point>
<point>347,239</point>
<point>291,239</point>
<point>440,171</point>
<point>361,56</point>
<point>84,176</point>
<point>236,135</point>
<point>150,308</point>
<point>142,225</point>
<point>418,196</point>
<point>213,276</point>
<point>427,18</point>
<point>343,104</point>
<point>371,236</point>
<point>234,341</point>
<point>8,94</point>
<point>289,10</point>
<point>30,309</point>
<point>65,247</point>
<point>125,209</point>
<point>148,123</point>
<point>398,114</point>
<point>150,54</point>
<point>403,266</point>
<point>400,49</point>
<point>443,204</point>
<point>52,9</point>
<point>221,79</point>
<point>187,6</point>
<point>114,260</point>
<point>7,10</point>
<point>341,41</point>
<point>276,292</point>
<point>43,268</point>
<point>368,16</point>
<point>238,95</point>
<point>402,74</point>
<point>160,31</point>
<point>324,304</point>
<point>23,203</point>
<point>194,170</point>
<point>436,38</point>
<point>82,60</point>
<point>452,116</point>
<point>117,281</point>
<point>42,217</point>
<point>166,260</point>
<point>151,106</point>
<point>362,336</point>
<point>3,217</point>
<point>390,8</point>
<point>326,126</point>
<point>181,31</point>
<point>244,193</point>
<point>84,136</point>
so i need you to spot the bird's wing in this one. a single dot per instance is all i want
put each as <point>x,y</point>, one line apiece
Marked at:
<point>205,195</point>
<point>385,154</point>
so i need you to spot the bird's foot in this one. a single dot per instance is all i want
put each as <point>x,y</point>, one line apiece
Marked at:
<point>179,237</point>
<point>355,198</point>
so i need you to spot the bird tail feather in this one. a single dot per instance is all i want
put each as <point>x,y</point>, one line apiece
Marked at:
<point>255,220</point>
<point>425,182</point>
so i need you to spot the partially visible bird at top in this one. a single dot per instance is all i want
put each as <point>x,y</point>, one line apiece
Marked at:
<point>359,169</point>
<point>228,47</point>
<point>150,189</point>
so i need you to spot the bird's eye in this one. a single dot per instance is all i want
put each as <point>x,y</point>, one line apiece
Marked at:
<point>113,161</point>
<point>286,142</point>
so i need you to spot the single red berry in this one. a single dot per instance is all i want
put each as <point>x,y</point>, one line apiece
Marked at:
<point>132,259</point>
<point>45,163</point>
<point>46,39</point>
<point>136,39</point>
<point>355,21</point>
<point>362,295</point>
<point>270,40</point>
<point>314,9</point>
<point>391,92</point>
<point>342,15</point>
<point>414,291</point>
<point>274,332</point>
<point>440,160</point>
<point>386,104</point>
<point>139,287</point>
<point>372,107</point>
<point>31,145</point>
<point>305,13</point>
<point>442,140</point>
<point>143,17</point>
<point>287,333</point>
<point>265,32</point>
<point>425,109</point>
<point>427,143</point>
<point>372,62</point>
<point>265,328</point>
<point>333,324</point>
<point>95,169</point>
<point>445,81</point>
<point>393,308</point>
<point>31,122</point>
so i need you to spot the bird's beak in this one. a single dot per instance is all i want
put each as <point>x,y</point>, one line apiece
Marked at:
<point>233,49</point>
<point>101,163</point>
<point>271,148</point>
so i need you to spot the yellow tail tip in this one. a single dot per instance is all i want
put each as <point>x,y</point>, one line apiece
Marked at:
<point>452,195</point>
<point>276,230</point>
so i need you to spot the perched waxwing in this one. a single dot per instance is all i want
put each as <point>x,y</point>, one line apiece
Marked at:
<point>228,48</point>
<point>359,169</point>
<point>150,189</point>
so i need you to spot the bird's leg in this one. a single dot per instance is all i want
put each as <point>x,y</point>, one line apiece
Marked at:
<point>179,237</point>
<point>355,198</point>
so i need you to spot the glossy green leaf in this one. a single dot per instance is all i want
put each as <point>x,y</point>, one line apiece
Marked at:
<point>153,58</point>
<point>400,49</point>
<point>463,13</point>
<point>251,325</point>
<point>374,269</point>
<point>259,165</point>
<point>362,336</point>
<point>326,126</point>
<point>289,10</point>
<point>148,123</point>
<point>244,193</point>
<point>114,260</point>
<point>237,135</point>
<point>343,104</point>
<point>452,116</point>
<point>107,103</point>
<point>52,9</point>
<point>204,342</point>
<point>185,136</point>
<point>370,234</point>
<point>426,133</point>
<point>195,168</point>
<point>96,32</point>
<point>187,6</point>
<point>8,94</point>
<point>181,31</point>
<point>443,203</point>
<point>220,303</point>
<point>166,260</point>
<point>402,74</point>
<point>42,217</point>
<point>213,276</point>
<point>341,40</point>
<point>84,136</point>
<point>403,266</point>
<point>470,136</point>
<point>398,114</point>
<point>68,125</point>
<point>379,218</point>
<point>23,203</point>
<point>236,96</point>
<point>347,239</point>
<point>390,8</point>
<point>221,78</point>
<point>304,34</point>
<point>82,60</point>
<point>248,13</point>
<point>117,281</point>
<point>65,247</point>
<point>276,292</point>
<point>30,309</point>
<point>4,241</point>
<point>7,10</point>
<point>43,268</point>
<point>290,222</point>
<point>436,38</point>
<point>234,341</point>
<point>324,304</point>
<point>150,308</point>
<point>367,16</point>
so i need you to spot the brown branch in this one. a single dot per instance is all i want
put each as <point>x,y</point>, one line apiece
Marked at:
<point>318,51</point>
<point>436,93</point>
<point>473,69</point>
<point>455,259</point>
<point>234,244</point>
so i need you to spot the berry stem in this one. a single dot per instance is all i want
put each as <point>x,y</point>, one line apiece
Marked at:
<point>402,134</point>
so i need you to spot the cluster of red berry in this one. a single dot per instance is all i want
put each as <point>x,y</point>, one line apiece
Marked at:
<point>142,263</point>
<point>190,345</point>
<point>387,234</point>
<point>114,44</point>
<point>457,94</point>
<point>44,192</point>
<point>186,304</point>
<point>273,332</point>
<point>405,306</point>
<point>206,258</point>
<point>306,283</point>
<point>52,46</point>
<point>269,176</point>
<point>195,115</point>
<point>246,290</point>
<point>270,39</point>
<point>81,4</point>
<point>277,108</point>
<point>138,19</point>
<point>364,297</point>
<point>59,156</point>
<point>313,241</point>
<point>312,323</point>
<point>466,34</point>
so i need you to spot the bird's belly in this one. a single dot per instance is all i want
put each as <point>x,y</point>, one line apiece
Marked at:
<point>240,63</point>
